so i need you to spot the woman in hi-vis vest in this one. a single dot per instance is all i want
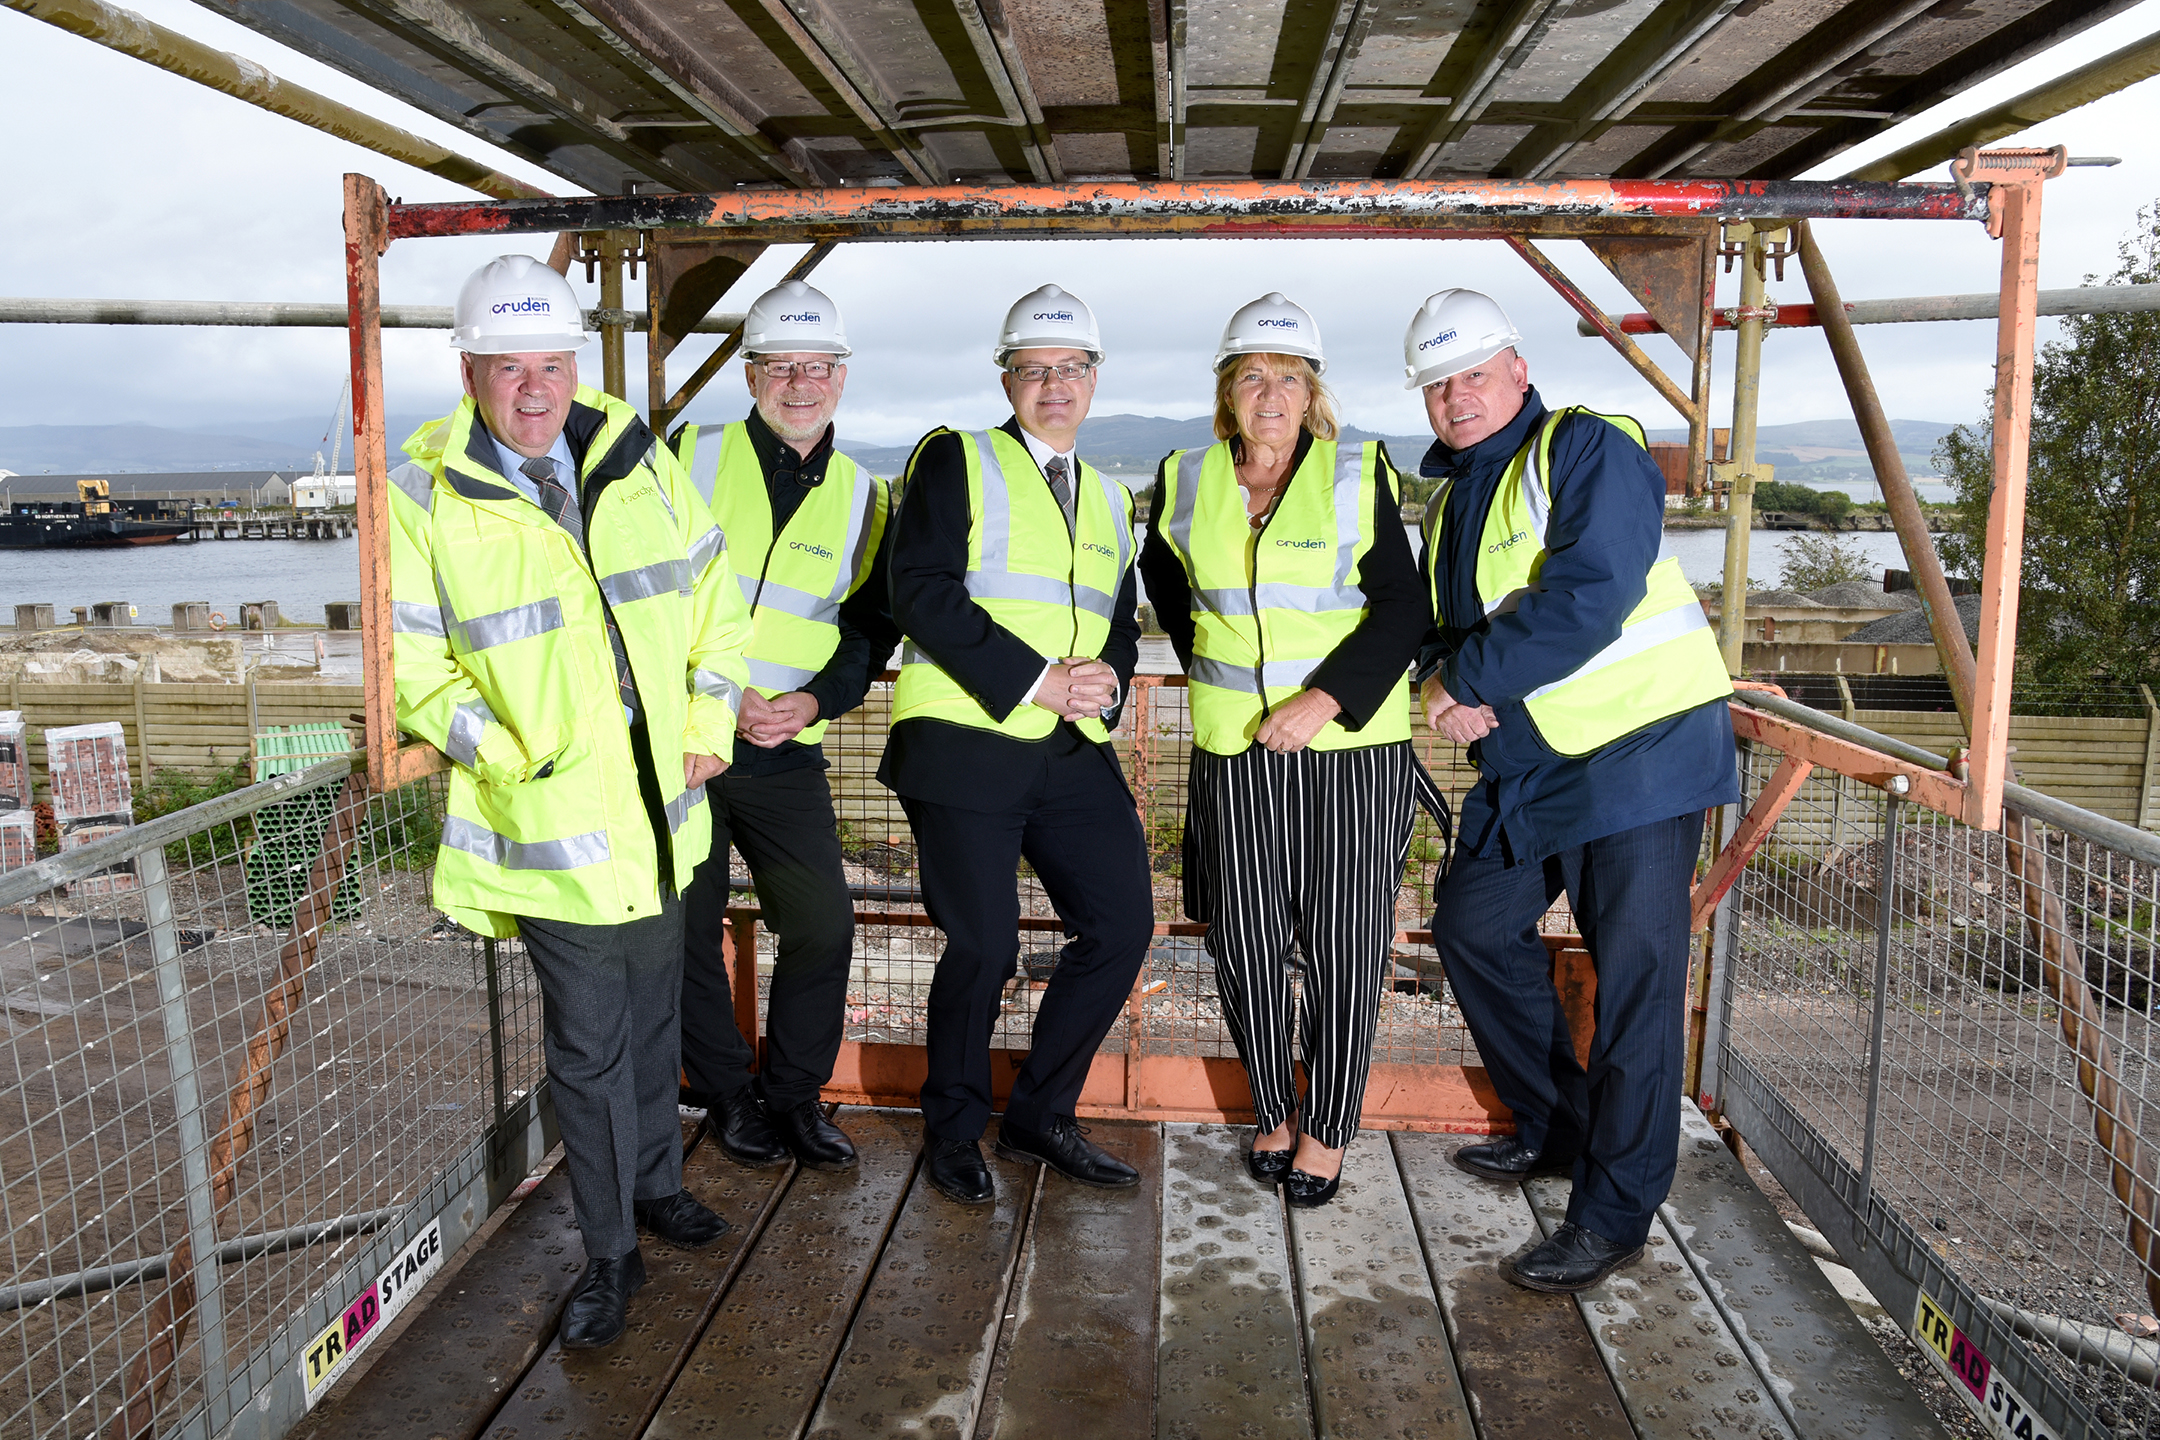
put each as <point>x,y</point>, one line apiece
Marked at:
<point>1278,564</point>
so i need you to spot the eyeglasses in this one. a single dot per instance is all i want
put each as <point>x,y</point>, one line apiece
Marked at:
<point>788,369</point>
<point>1036,374</point>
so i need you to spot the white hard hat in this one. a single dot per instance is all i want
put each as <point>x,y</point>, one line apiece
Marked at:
<point>1048,319</point>
<point>516,305</point>
<point>1452,331</point>
<point>1272,325</point>
<point>792,316</point>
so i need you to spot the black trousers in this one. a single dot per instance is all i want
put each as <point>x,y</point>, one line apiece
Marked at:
<point>607,996</point>
<point>783,825</point>
<point>1309,844</point>
<point>1629,893</point>
<point>1076,825</point>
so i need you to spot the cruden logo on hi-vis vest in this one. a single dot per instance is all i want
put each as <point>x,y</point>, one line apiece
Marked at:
<point>1665,661</point>
<point>1269,606</point>
<point>795,580</point>
<point>1053,588</point>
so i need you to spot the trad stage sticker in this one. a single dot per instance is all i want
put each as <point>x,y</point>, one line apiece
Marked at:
<point>1968,1368</point>
<point>330,1353</point>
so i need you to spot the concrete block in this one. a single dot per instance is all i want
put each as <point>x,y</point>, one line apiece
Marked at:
<point>33,617</point>
<point>112,881</point>
<point>18,839</point>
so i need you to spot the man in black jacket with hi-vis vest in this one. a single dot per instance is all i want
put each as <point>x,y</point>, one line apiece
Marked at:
<point>1013,583</point>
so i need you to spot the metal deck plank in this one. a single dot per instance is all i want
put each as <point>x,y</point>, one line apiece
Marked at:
<point>1528,1364</point>
<point>1083,1323</point>
<point>1376,1344</point>
<point>1229,1361</point>
<point>762,1362</point>
<point>447,1373</point>
<point>1834,1378</point>
<point>615,1390</point>
<point>1679,1370</point>
<point>919,1351</point>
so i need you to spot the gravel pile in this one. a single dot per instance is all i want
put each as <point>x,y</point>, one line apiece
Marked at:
<point>1861,595</point>
<point>1758,599</point>
<point>1911,628</point>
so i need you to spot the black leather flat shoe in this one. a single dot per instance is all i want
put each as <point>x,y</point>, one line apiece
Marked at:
<point>680,1220</point>
<point>1064,1147</point>
<point>596,1313</point>
<point>1509,1159</point>
<point>816,1142</point>
<point>956,1169</point>
<point>744,1130</point>
<point>1309,1192</point>
<point>1573,1259</point>
<point>1269,1166</point>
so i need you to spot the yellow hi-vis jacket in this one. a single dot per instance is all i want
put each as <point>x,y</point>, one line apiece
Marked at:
<point>1665,661</point>
<point>1269,605</point>
<point>502,660</point>
<point>796,579</point>
<point>1054,590</point>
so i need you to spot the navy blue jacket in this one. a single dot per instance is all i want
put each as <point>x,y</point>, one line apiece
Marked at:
<point>1608,517</point>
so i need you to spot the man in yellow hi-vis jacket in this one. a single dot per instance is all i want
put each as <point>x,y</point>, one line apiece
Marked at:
<point>567,631</point>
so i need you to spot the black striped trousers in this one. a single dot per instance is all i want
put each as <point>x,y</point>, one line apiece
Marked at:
<point>1309,844</point>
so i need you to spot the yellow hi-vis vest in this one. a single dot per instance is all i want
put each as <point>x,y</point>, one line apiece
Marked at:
<point>501,658</point>
<point>1665,661</point>
<point>1269,605</point>
<point>794,580</point>
<point>1052,589</point>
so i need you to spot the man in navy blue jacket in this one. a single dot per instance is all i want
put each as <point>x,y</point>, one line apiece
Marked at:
<point>1618,828</point>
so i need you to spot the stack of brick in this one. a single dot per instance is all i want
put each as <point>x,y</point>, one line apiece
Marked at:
<point>18,824</point>
<point>91,795</point>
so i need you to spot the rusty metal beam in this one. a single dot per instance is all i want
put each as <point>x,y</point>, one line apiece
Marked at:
<point>1923,785</point>
<point>1223,206</point>
<point>169,50</point>
<point>1515,32</point>
<point>2079,300</point>
<point>1629,350</point>
<point>990,31</point>
<point>1347,29</point>
<point>1623,80</point>
<point>1755,827</point>
<point>279,314</point>
<point>1166,63</point>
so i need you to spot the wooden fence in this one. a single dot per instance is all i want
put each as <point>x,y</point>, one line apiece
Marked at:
<point>2104,764</point>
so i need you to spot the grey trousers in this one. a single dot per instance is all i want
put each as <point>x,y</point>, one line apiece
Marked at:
<point>608,996</point>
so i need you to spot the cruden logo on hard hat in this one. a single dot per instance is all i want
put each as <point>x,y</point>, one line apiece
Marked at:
<point>530,305</point>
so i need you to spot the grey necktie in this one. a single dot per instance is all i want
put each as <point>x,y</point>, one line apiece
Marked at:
<point>562,507</point>
<point>1061,487</point>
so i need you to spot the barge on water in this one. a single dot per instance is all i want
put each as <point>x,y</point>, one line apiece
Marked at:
<point>94,520</point>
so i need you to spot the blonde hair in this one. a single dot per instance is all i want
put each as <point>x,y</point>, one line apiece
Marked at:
<point>1319,414</point>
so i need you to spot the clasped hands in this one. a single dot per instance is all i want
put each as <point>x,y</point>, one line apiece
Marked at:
<point>1450,717</point>
<point>1077,688</point>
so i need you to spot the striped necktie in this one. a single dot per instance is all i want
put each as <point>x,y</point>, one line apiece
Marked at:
<point>1060,487</point>
<point>562,507</point>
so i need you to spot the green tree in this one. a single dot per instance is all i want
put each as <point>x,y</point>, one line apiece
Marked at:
<point>1816,562</point>
<point>2091,602</point>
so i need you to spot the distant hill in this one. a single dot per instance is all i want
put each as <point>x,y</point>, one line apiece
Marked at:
<point>157,449</point>
<point>1830,455</point>
<point>1133,445</point>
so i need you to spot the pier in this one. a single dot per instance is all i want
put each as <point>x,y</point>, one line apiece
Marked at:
<point>273,525</point>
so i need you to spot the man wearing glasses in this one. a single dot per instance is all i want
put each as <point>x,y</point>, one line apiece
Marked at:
<point>1012,579</point>
<point>804,527</point>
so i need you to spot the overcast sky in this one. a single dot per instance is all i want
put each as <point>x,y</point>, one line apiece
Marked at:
<point>131,183</point>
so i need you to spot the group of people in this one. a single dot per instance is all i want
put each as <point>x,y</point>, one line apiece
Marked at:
<point>630,649</point>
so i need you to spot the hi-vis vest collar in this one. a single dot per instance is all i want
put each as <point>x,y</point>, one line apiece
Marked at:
<point>1664,661</point>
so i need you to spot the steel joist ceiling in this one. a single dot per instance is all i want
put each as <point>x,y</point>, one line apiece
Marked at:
<point>709,95</point>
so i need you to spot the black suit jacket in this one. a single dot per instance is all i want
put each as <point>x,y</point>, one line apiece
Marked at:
<point>960,765</point>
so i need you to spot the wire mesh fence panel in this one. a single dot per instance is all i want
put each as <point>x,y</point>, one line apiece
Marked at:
<point>2007,1112</point>
<point>227,1085</point>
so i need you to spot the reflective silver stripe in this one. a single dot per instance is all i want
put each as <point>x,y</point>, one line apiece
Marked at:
<point>570,853</point>
<point>1279,595</point>
<point>678,809</point>
<point>1349,492</point>
<point>705,549</point>
<point>416,483</point>
<point>519,622</point>
<point>855,548</point>
<point>909,655</point>
<point>1094,601</point>
<point>718,686</point>
<point>705,460</point>
<point>1634,640</point>
<point>1188,487</point>
<point>771,675</point>
<point>1113,496</point>
<point>1001,585</point>
<point>772,595</point>
<point>467,724</point>
<point>1537,493</point>
<point>646,581</point>
<point>997,511</point>
<point>407,618</point>
<point>1281,674</point>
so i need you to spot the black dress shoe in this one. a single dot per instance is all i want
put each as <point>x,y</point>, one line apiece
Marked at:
<point>680,1220</point>
<point>956,1169</point>
<point>1509,1159</point>
<point>594,1316</point>
<point>1269,1166</point>
<point>1064,1147</point>
<point>1574,1259</point>
<point>1308,1192</point>
<point>816,1142</point>
<point>744,1130</point>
